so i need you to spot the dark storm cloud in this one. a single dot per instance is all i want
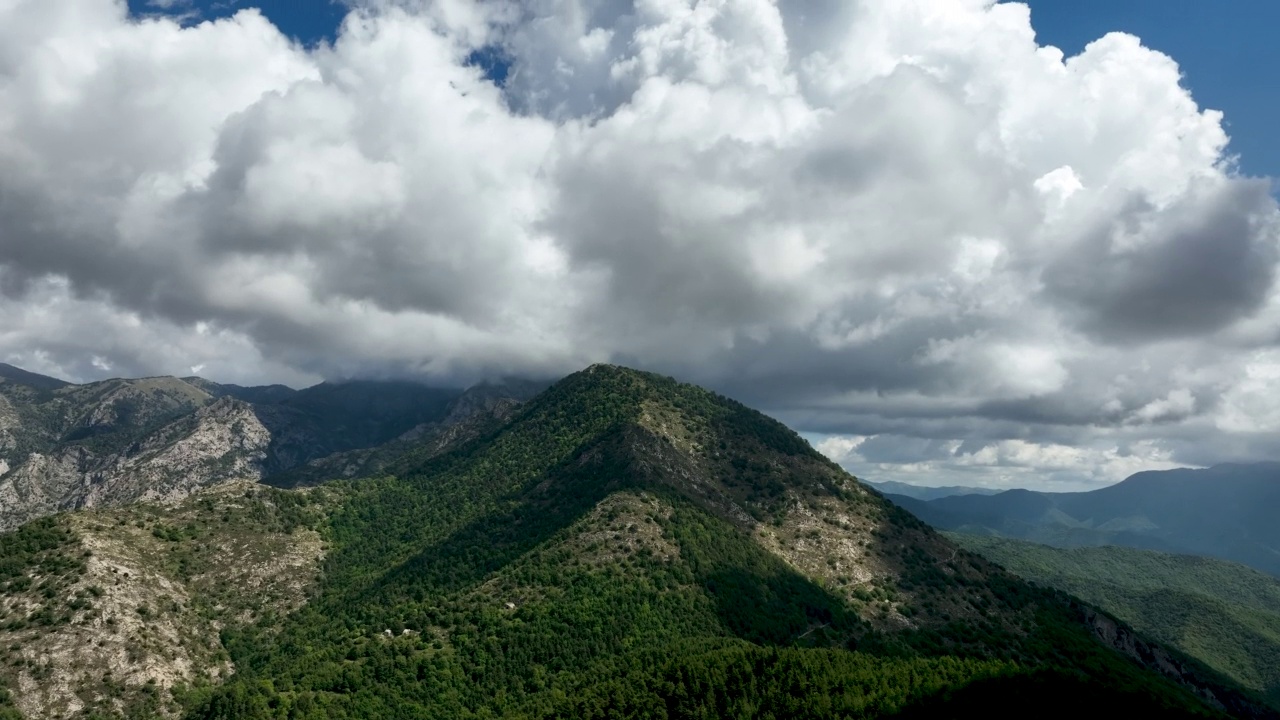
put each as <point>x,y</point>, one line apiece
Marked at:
<point>1185,270</point>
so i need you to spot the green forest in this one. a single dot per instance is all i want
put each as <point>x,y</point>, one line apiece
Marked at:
<point>1222,613</point>
<point>482,584</point>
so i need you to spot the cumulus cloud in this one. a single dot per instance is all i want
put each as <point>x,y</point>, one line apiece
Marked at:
<point>903,223</point>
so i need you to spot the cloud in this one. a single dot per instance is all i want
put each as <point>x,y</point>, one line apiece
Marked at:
<point>999,465</point>
<point>1189,268</point>
<point>903,221</point>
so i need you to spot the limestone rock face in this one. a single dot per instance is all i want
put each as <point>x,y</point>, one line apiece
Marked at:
<point>220,441</point>
<point>139,594</point>
<point>39,485</point>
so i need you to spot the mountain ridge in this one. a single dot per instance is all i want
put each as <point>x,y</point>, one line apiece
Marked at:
<point>1223,511</point>
<point>925,492</point>
<point>35,380</point>
<point>66,446</point>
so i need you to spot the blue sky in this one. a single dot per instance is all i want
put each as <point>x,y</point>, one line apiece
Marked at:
<point>307,20</point>
<point>1226,50</point>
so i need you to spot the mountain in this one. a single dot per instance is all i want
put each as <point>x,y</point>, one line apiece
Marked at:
<point>65,446</point>
<point>921,492</point>
<point>1224,614</point>
<point>69,445</point>
<point>1227,512</point>
<point>625,543</point>
<point>621,545</point>
<point>473,413</point>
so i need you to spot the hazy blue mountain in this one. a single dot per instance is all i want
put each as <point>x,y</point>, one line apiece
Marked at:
<point>1227,512</point>
<point>920,492</point>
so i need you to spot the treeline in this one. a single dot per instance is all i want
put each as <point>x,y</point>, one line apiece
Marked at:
<point>706,679</point>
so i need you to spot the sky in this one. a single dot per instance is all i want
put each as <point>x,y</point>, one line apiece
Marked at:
<point>950,241</point>
<point>1226,52</point>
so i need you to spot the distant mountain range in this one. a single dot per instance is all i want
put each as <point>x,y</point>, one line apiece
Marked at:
<point>921,492</point>
<point>65,446</point>
<point>1222,613</point>
<point>1227,512</point>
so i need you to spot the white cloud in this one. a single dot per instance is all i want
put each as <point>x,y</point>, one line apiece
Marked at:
<point>885,218</point>
<point>1253,404</point>
<point>1002,464</point>
<point>840,448</point>
<point>1178,404</point>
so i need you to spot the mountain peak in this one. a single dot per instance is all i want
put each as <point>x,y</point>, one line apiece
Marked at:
<point>682,412</point>
<point>607,371</point>
<point>603,367</point>
<point>621,375</point>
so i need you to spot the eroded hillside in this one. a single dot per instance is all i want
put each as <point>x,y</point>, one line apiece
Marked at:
<point>110,610</point>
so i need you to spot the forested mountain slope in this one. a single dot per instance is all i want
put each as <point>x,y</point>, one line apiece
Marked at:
<point>629,546</point>
<point>1225,614</point>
